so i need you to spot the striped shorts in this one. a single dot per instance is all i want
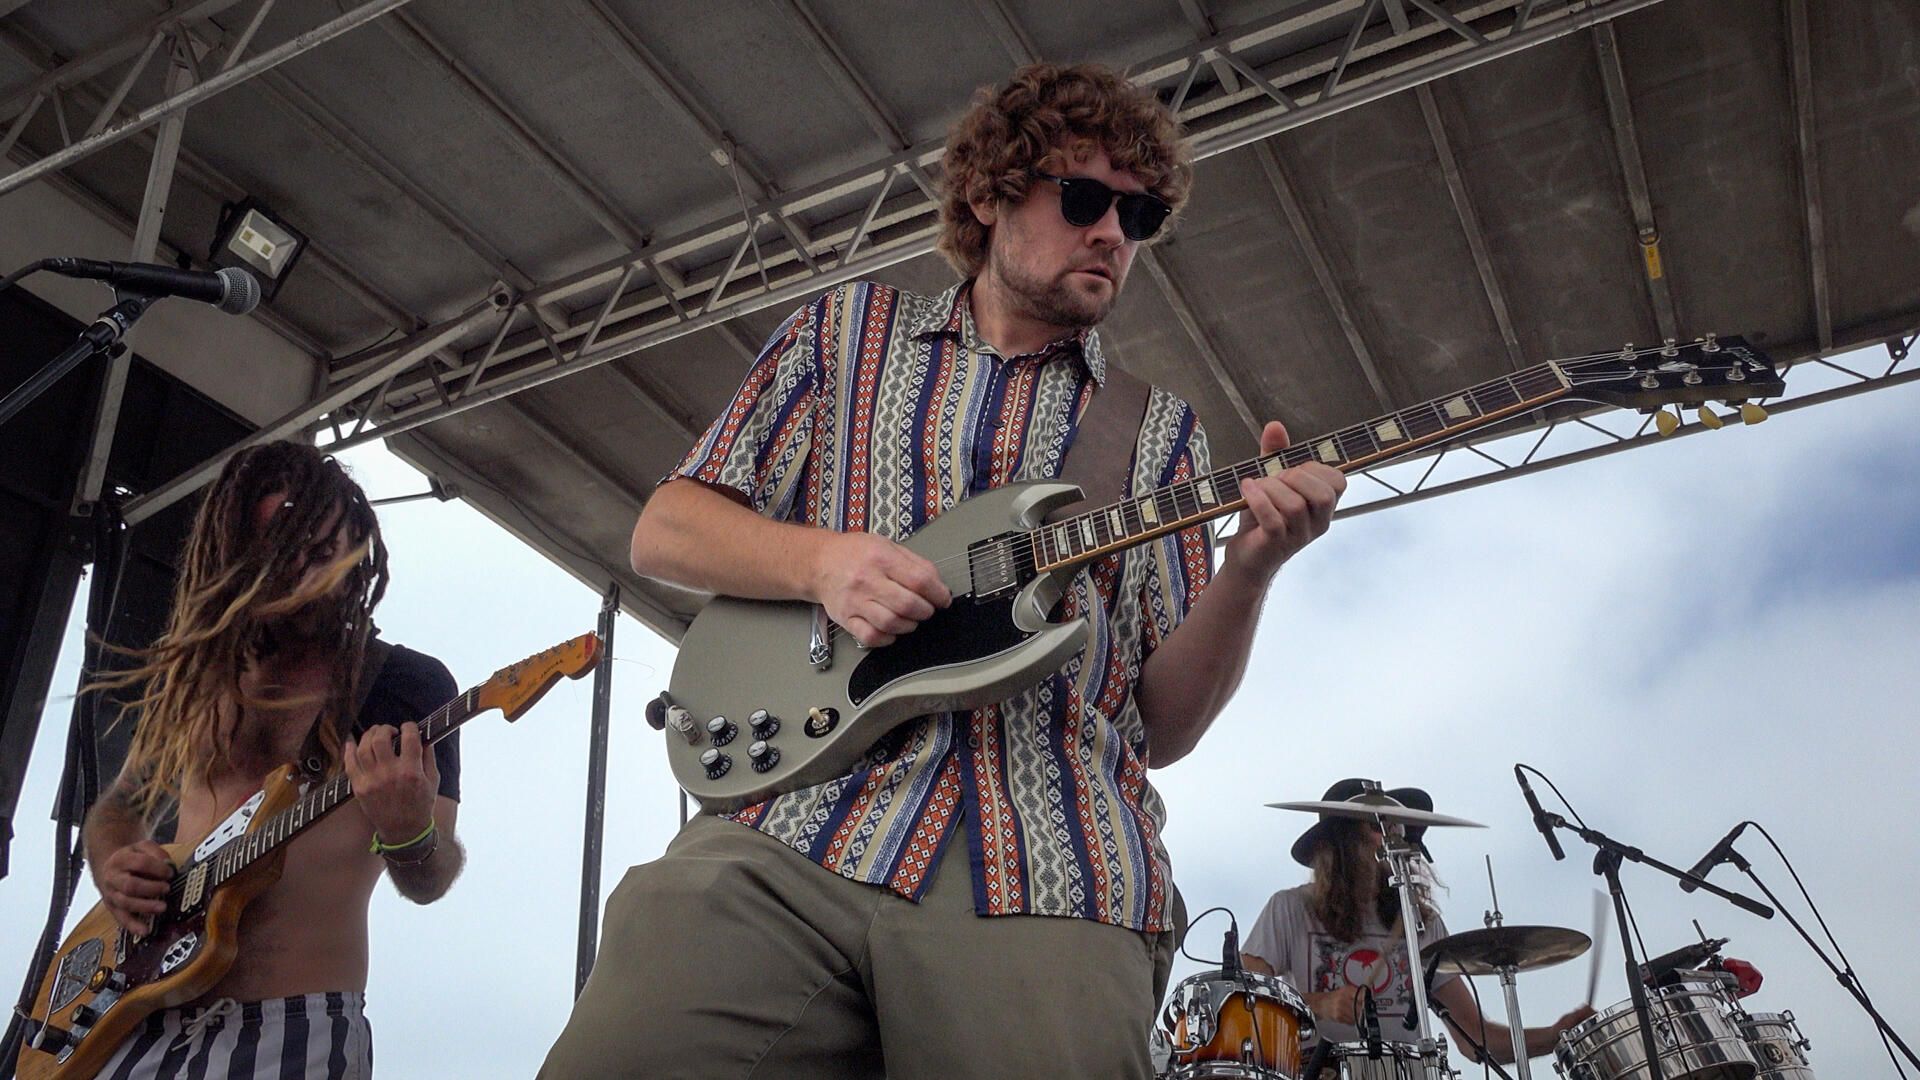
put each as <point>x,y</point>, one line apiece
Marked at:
<point>311,1036</point>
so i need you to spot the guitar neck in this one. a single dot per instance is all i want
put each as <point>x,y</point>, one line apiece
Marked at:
<point>1131,521</point>
<point>323,799</point>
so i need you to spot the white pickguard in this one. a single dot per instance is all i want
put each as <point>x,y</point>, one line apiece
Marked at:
<point>235,825</point>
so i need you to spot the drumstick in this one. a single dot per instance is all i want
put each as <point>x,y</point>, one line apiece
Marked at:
<point>1599,943</point>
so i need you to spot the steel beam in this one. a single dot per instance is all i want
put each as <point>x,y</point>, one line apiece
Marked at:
<point>534,147</point>
<point>1806,151</point>
<point>325,126</point>
<point>1008,31</point>
<point>1176,298</point>
<point>111,50</point>
<point>1620,443</point>
<point>1336,297</point>
<point>422,346</point>
<point>1383,60</point>
<point>146,242</point>
<point>1470,225</point>
<point>220,83</point>
<point>1626,142</point>
<point>1202,23</point>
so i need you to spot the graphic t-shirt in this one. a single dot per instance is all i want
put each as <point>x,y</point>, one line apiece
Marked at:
<point>1301,951</point>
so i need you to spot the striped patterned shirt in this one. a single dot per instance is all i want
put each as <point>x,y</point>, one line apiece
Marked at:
<point>873,410</point>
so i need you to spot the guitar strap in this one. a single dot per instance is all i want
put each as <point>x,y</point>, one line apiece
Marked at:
<point>313,754</point>
<point>1101,454</point>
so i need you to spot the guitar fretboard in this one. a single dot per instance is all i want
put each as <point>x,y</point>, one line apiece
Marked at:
<point>242,851</point>
<point>1176,506</point>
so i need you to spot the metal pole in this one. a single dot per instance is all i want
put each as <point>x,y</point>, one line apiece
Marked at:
<point>146,241</point>
<point>1520,1060</point>
<point>596,792</point>
<point>274,57</point>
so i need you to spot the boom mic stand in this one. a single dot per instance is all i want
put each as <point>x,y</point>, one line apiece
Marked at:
<point>1844,976</point>
<point>1606,863</point>
<point>100,338</point>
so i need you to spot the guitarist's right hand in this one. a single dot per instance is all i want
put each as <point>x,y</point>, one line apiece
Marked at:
<point>133,884</point>
<point>874,588</point>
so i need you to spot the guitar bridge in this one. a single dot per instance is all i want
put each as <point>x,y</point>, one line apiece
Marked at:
<point>820,640</point>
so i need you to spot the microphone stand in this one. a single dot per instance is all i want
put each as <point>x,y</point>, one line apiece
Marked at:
<point>1606,862</point>
<point>1844,976</point>
<point>99,338</point>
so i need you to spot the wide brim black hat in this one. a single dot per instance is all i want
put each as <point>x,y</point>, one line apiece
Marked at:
<point>1345,791</point>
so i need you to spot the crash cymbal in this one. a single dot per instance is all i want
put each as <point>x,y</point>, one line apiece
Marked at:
<point>1489,951</point>
<point>1370,806</point>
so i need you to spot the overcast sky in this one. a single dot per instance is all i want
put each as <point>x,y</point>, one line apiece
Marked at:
<point>1681,636</point>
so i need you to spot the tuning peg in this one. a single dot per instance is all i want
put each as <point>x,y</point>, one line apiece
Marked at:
<point>1751,413</point>
<point>1666,422</point>
<point>1709,418</point>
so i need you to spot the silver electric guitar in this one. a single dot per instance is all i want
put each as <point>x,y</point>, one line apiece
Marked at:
<point>770,696</point>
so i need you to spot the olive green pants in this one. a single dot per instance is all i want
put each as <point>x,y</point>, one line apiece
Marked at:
<point>735,956</point>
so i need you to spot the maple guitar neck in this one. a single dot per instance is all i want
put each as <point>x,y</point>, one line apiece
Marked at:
<point>320,801</point>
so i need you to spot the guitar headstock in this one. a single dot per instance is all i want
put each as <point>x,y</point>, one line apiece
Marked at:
<point>514,689</point>
<point>1711,369</point>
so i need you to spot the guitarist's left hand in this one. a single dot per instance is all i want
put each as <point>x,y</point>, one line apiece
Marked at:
<point>395,789</point>
<point>1284,513</point>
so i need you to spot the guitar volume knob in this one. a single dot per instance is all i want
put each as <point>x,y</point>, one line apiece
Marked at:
<point>763,723</point>
<point>721,730</point>
<point>715,763</point>
<point>762,756</point>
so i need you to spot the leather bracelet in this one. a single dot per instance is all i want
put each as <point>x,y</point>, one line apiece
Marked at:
<point>381,847</point>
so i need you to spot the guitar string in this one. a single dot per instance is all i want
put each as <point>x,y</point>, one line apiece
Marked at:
<point>1010,553</point>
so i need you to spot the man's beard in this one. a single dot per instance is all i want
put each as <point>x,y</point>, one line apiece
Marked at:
<point>1054,301</point>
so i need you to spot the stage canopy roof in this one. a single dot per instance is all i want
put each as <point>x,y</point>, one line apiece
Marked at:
<point>545,238</point>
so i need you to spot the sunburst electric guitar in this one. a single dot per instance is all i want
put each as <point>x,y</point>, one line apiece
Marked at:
<point>104,980</point>
<point>769,696</point>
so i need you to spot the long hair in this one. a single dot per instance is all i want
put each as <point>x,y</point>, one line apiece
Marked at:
<point>240,580</point>
<point>1348,881</point>
<point>1021,125</point>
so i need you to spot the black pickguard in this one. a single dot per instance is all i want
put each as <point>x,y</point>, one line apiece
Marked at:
<point>968,629</point>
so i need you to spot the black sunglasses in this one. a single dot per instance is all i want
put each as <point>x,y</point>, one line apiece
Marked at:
<point>1084,201</point>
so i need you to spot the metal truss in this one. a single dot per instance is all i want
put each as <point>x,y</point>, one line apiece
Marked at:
<point>784,246</point>
<point>1385,492</point>
<point>780,249</point>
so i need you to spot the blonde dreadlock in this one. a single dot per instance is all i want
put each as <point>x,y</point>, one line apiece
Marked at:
<point>238,579</point>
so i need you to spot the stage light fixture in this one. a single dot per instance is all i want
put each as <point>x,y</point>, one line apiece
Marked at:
<point>255,239</point>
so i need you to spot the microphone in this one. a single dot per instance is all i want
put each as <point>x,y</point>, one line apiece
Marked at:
<point>1230,951</point>
<point>231,289</point>
<point>1721,852</point>
<point>1686,956</point>
<point>1539,815</point>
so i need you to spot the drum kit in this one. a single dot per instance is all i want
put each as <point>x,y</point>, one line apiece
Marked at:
<point>1238,1024</point>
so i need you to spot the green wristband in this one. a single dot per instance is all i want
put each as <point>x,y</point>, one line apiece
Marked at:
<point>380,847</point>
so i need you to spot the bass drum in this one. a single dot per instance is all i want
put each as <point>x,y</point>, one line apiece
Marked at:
<point>1242,1025</point>
<point>1694,1027</point>
<point>1778,1046</point>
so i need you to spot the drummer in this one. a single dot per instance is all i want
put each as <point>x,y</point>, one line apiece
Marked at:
<point>1342,931</point>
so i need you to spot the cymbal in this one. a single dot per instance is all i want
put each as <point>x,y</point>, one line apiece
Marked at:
<point>1522,948</point>
<point>1371,806</point>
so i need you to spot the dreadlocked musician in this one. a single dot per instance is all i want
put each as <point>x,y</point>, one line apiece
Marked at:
<point>269,648</point>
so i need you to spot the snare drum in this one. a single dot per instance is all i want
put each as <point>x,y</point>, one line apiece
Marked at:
<point>1693,1025</point>
<point>1397,1061</point>
<point>1243,1026</point>
<point>1777,1045</point>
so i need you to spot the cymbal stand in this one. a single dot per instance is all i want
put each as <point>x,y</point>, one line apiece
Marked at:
<point>1398,853</point>
<point>1521,1063</point>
